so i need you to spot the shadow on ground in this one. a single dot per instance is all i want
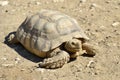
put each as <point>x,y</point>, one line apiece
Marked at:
<point>21,50</point>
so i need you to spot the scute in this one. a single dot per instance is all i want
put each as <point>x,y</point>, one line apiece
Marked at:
<point>47,30</point>
<point>50,31</point>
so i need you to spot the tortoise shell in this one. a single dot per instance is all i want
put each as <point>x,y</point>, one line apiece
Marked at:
<point>47,30</point>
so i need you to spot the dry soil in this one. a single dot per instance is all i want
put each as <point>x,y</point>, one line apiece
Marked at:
<point>100,19</point>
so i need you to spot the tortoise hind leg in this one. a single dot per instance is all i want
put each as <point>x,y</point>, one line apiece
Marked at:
<point>90,49</point>
<point>57,60</point>
<point>12,39</point>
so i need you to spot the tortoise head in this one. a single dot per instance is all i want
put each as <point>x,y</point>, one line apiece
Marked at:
<point>73,46</point>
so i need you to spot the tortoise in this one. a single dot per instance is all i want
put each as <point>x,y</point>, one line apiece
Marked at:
<point>54,36</point>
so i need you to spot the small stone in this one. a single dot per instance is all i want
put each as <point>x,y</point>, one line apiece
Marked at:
<point>22,69</point>
<point>116,7</point>
<point>102,27</point>
<point>46,79</point>
<point>40,70</point>
<point>55,1</point>
<point>37,3</point>
<point>115,24</point>
<point>8,65</point>
<point>93,6</point>
<point>91,64</point>
<point>3,58</point>
<point>107,2</point>
<point>51,70</point>
<point>17,60</point>
<point>3,3</point>
<point>82,1</point>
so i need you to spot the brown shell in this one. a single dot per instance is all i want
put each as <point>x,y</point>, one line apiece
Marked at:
<point>47,30</point>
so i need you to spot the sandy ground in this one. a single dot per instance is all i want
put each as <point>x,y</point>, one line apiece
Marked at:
<point>99,18</point>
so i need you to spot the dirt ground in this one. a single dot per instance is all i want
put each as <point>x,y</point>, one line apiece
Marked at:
<point>100,19</point>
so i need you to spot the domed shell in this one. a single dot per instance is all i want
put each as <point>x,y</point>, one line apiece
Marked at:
<point>47,30</point>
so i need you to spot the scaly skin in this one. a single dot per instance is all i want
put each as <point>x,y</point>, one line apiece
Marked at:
<point>90,49</point>
<point>55,61</point>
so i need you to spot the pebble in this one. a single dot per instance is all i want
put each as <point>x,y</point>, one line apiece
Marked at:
<point>3,58</point>
<point>51,70</point>
<point>37,3</point>
<point>115,24</point>
<point>8,65</point>
<point>91,64</point>
<point>107,2</point>
<point>22,69</point>
<point>17,60</point>
<point>93,5</point>
<point>102,27</point>
<point>55,1</point>
<point>40,70</point>
<point>82,1</point>
<point>4,3</point>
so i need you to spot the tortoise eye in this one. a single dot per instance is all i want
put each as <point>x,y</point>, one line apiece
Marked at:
<point>73,43</point>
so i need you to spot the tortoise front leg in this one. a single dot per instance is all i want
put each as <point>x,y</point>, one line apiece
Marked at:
<point>90,49</point>
<point>56,59</point>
